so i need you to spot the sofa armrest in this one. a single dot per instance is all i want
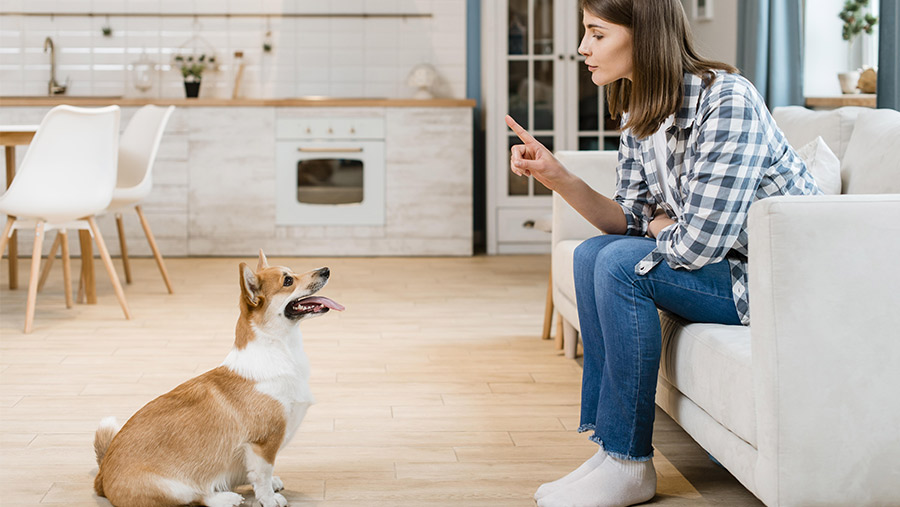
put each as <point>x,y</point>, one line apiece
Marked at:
<point>824,279</point>
<point>597,169</point>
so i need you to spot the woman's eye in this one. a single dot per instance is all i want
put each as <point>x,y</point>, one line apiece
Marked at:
<point>288,281</point>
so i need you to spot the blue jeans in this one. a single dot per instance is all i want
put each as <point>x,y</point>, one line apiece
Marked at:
<point>620,330</point>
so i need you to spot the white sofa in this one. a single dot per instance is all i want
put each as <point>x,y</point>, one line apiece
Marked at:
<point>802,406</point>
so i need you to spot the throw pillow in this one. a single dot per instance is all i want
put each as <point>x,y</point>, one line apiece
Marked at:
<point>823,164</point>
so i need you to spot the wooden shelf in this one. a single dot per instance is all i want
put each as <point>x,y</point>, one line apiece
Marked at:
<point>226,14</point>
<point>288,102</point>
<point>858,99</point>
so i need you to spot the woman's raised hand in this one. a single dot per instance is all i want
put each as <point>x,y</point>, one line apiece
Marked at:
<point>534,159</point>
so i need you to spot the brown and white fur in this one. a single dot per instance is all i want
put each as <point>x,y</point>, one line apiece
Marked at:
<point>222,429</point>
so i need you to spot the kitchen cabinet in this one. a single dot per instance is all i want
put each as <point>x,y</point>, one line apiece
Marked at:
<point>532,70</point>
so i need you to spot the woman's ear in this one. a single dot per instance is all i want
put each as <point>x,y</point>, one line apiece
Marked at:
<point>249,285</point>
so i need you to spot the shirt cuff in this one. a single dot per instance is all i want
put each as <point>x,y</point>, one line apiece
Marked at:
<point>634,226</point>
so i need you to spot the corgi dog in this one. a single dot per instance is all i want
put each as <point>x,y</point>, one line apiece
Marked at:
<point>222,429</point>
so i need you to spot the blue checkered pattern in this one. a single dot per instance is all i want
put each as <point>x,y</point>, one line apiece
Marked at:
<point>724,152</point>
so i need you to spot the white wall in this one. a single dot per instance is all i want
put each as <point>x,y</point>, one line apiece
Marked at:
<point>332,55</point>
<point>716,39</point>
<point>826,53</point>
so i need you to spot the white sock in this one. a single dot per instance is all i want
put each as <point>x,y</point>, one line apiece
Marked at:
<point>615,483</point>
<point>585,468</point>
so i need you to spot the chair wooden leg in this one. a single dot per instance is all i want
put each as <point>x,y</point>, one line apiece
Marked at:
<point>559,331</point>
<point>570,340</point>
<point>5,239</point>
<point>548,310</point>
<point>156,254</point>
<point>123,247</point>
<point>63,236</point>
<point>82,297</point>
<point>107,261</point>
<point>87,269</point>
<point>13,240</point>
<point>45,273</point>
<point>33,280</point>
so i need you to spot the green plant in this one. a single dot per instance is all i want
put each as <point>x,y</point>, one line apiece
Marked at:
<point>855,20</point>
<point>192,68</point>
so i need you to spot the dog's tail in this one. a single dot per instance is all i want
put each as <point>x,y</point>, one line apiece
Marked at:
<point>104,436</point>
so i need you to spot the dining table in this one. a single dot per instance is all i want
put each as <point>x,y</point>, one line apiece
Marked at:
<point>18,135</point>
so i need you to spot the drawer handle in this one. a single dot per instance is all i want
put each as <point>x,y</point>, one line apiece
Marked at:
<point>330,150</point>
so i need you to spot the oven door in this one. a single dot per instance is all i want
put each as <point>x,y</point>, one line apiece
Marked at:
<point>330,182</point>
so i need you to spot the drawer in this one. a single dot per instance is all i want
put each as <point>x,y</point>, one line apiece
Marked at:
<point>329,128</point>
<point>510,228</point>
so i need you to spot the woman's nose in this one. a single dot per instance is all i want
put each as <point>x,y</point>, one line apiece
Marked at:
<point>582,48</point>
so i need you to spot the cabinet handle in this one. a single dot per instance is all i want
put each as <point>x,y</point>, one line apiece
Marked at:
<point>562,57</point>
<point>571,57</point>
<point>330,150</point>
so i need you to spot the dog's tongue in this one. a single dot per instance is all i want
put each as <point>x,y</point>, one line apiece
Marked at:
<point>323,301</point>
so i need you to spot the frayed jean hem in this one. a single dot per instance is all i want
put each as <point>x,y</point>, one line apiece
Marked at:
<point>624,457</point>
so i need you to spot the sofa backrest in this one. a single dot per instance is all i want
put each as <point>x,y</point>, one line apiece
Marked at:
<point>867,142</point>
<point>871,164</point>
<point>801,125</point>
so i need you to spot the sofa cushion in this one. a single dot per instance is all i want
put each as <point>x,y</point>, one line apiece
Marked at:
<point>823,164</point>
<point>801,125</point>
<point>711,365</point>
<point>871,164</point>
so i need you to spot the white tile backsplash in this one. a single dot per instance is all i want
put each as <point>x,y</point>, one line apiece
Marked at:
<point>320,55</point>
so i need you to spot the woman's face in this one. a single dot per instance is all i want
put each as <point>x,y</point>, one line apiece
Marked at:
<point>607,50</point>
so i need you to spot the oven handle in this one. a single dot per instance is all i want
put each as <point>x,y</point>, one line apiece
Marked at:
<point>330,150</point>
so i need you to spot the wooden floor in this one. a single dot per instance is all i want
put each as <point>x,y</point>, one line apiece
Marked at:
<point>433,387</point>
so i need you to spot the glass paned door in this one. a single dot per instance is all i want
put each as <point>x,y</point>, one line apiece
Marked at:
<point>533,78</point>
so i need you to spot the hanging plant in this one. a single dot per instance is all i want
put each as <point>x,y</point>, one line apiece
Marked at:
<point>855,20</point>
<point>107,29</point>
<point>267,42</point>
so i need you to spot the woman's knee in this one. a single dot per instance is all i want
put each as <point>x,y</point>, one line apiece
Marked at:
<point>586,253</point>
<point>618,259</point>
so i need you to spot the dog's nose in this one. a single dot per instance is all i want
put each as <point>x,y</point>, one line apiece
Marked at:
<point>325,272</point>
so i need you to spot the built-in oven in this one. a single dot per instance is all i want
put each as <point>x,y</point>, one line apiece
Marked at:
<point>330,171</point>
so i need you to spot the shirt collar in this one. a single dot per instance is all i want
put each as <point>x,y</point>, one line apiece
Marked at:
<point>693,86</point>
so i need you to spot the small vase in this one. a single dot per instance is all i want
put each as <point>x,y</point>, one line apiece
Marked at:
<point>192,89</point>
<point>849,81</point>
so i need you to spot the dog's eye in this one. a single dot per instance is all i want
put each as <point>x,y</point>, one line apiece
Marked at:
<point>288,281</point>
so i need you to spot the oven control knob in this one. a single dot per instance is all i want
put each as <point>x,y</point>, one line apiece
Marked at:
<point>308,130</point>
<point>352,130</point>
<point>330,130</point>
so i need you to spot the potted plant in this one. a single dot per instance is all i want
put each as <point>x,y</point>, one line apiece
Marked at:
<point>192,70</point>
<point>856,21</point>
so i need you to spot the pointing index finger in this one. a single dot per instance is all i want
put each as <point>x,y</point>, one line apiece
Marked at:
<point>522,133</point>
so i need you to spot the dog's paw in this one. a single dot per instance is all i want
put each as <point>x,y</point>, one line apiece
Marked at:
<point>277,484</point>
<point>276,500</point>
<point>224,499</point>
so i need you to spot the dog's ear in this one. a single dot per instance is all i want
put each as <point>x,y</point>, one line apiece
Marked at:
<point>263,262</point>
<point>249,285</point>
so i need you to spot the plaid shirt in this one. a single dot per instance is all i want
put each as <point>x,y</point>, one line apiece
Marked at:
<point>724,152</point>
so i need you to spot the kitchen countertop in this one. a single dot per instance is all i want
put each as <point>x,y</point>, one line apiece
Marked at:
<point>201,102</point>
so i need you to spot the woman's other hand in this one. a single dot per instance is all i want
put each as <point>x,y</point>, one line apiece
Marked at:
<point>659,222</point>
<point>534,159</point>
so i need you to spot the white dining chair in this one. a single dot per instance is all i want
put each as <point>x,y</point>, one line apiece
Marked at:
<point>138,147</point>
<point>66,178</point>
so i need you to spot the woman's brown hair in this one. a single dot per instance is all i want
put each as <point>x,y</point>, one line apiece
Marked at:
<point>662,51</point>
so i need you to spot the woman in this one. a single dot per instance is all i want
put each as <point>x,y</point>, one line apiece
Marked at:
<point>698,147</point>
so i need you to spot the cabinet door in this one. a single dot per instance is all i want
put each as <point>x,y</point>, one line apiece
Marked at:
<point>531,70</point>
